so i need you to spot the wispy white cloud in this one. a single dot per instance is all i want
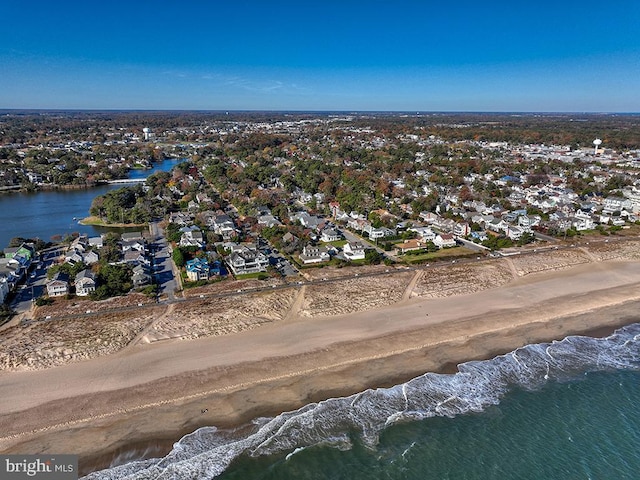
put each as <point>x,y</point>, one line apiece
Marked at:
<point>261,86</point>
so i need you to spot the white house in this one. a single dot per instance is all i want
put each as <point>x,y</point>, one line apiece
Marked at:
<point>314,254</point>
<point>58,285</point>
<point>247,259</point>
<point>354,251</point>
<point>424,233</point>
<point>444,240</point>
<point>85,283</point>
<point>329,235</point>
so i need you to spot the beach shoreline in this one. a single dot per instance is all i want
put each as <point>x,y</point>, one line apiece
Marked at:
<point>282,367</point>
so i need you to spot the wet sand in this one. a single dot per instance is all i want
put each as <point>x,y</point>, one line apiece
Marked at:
<point>153,394</point>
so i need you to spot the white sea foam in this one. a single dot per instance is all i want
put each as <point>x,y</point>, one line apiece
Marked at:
<point>207,452</point>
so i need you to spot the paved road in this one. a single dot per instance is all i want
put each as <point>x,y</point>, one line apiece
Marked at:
<point>163,263</point>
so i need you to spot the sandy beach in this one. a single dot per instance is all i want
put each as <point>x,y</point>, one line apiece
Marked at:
<point>157,391</point>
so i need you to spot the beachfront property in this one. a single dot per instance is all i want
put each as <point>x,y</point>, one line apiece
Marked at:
<point>85,283</point>
<point>314,254</point>
<point>198,269</point>
<point>353,251</point>
<point>246,259</point>
<point>444,240</point>
<point>411,245</point>
<point>59,285</point>
<point>140,276</point>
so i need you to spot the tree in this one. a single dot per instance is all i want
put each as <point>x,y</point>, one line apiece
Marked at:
<point>372,257</point>
<point>178,257</point>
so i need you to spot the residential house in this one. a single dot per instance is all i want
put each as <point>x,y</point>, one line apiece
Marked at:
<point>25,250</point>
<point>480,236</point>
<point>85,282</point>
<point>314,254</point>
<point>289,238</point>
<point>424,233</point>
<point>4,289</point>
<point>91,257</point>
<point>444,240</point>
<point>133,257</point>
<point>132,236</point>
<point>381,232</point>
<point>11,271</point>
<point>354,251</point>
<point>180,218</point>
<point>358,224</point>
<point>192,238</point>
<point>411,244</point>
<point>247,259</point>
<point>429,217</point>
<point>97,242</point>
<point>268,220</point>
<point>306,220</point>
<point>141,276</point>
<point>73,257</point>
<point>461,229</point>
<point>197,269</point>
<point>329,235</point>
<point>514,233</point>
<point>223,225</point>
<point>132,245</point>
<point>615,204</point>
<point>58,285</point>
<point>583,223</point>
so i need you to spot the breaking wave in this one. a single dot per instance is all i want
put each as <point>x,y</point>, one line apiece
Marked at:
<point>207,452</point>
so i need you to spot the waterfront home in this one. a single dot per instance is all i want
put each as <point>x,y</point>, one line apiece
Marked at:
<point>24,250</point>
<point>4,289</point>
<point>97,242</point>
<point>197,269</point>
<point>444,240</point>
<point>59,285</point>
<point>140,276</point>
<point>354,251</point>
<point>515,233</point>
<point>247,259</point>
<point>314,254</point>
<point>85,282</point>
<point>132,236</point>
<point>411,244</point>
<point>11,271</point>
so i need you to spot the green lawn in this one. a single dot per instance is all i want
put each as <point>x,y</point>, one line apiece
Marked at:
<point>439,255</point>
<point>247,276</point>
<point>337,243</point>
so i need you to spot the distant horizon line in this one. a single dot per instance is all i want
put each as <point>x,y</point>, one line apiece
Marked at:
<point>284,111</point>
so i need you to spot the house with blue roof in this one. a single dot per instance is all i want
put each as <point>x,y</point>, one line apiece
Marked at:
<point>198,269</point>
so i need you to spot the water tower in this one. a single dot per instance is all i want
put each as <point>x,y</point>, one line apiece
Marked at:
<point>596,143</point>
<point>147,133</point>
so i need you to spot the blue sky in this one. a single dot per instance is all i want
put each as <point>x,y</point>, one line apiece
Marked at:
<point>330,55</point>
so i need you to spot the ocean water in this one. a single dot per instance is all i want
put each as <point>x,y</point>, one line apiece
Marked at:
<point>565,410</point>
